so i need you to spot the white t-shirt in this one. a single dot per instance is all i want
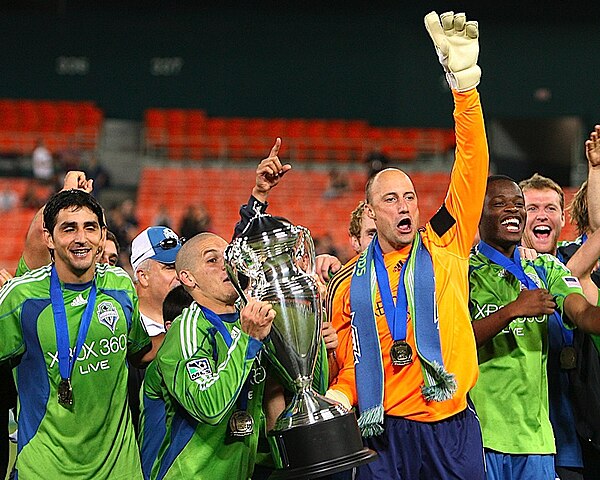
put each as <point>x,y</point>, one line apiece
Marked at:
<point>153,328</point>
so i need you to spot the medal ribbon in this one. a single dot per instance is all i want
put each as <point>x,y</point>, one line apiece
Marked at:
<point>218,323</point>
<point>66,362</point>
<point>567,334</point>
<point>395,315</point>
<point>514,266</point>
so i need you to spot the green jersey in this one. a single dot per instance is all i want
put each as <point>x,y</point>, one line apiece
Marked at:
<point>94,437</point>
<point>152,417</point>
<point>205,382</point>
<point>511,395</point>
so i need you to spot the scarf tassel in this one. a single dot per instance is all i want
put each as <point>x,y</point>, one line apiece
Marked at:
<point>371,421</point>
<point>441,385</point>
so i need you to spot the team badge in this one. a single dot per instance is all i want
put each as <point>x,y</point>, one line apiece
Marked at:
<point>198,368</point>
<point>107,315</point>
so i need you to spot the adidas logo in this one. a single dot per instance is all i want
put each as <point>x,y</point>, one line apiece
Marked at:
<point>78,301</point>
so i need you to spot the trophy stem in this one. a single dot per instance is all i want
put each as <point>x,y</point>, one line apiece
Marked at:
<point>307,407</point>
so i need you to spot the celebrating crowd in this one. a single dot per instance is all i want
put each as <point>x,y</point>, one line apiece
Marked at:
<point>458,344</point>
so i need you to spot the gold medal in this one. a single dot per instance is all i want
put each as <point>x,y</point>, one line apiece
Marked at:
<point>65,392</point>
<point>401,353</point>
<point>241,424</point>
<point>568,358</point>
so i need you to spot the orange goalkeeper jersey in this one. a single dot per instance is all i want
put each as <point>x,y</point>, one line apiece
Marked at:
<point>448,236</point>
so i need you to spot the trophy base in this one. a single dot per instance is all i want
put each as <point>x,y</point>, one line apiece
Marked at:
<point>321,448</point>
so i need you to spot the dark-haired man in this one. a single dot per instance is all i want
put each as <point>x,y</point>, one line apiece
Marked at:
<point>73,325</point>
<point>511,300</point>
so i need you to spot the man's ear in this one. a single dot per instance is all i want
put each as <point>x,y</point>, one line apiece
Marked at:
<point>142,277</point>
<point>102,243</point>
<point>370,212</point>
<point>48,240</point>
<point>187,279</point>
<point>355,244</point>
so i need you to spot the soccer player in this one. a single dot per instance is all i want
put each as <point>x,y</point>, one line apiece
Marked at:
<point>213,370</point>
<point>408,369</point>
<point>153,413</point>
<point>362,228</point>
<point>544,203</point>
<point>511,299</point>
<point>73,325</point>
<point>111,250</point>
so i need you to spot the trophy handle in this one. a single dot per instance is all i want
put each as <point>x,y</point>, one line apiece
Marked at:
<point>236,284</point>
<point>241,259</point>
<point>306,250</point>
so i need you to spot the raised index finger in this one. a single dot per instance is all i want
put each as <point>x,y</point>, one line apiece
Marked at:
<point>275,149</point>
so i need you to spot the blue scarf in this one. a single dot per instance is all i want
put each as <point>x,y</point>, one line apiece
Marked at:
<point>417,285</point>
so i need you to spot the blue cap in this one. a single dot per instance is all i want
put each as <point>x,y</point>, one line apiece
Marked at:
<point>155,243</point>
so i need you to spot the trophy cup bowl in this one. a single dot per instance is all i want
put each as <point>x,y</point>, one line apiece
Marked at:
<point>274,261</point>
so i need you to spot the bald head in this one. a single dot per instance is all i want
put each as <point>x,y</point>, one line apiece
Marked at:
<point>200,265</point>
<point>392,205</point>
<point>386,174</point>
<point>187,257</point>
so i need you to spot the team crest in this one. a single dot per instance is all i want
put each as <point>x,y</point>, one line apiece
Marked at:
<point>107,315</point>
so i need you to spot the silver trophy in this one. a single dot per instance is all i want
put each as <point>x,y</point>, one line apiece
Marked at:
<point>274,261</point>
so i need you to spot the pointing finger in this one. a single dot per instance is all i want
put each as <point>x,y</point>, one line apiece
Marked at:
<point>275,149</point>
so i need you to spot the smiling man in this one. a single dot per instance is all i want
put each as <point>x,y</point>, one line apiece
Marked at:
<point>511,300</point>
<point>72,326</point>
<point>545,205</point>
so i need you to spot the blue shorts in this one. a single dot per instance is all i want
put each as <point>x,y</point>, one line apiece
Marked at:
<point>409,450</point>
<point>502,466</point>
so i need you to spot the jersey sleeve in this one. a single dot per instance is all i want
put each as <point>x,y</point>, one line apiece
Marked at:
<point>21,267</point>
<point>561,283</point>
<point>456,222</point>
<point>338,311</point>
<point>205,383</point>
<point>11,337</point>
<point>247,212</point>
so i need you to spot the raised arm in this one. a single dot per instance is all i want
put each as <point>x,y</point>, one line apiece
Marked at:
<point>268,174</point>
<point>592,153</point>
<point>584,262</point>
<point>456,42</point>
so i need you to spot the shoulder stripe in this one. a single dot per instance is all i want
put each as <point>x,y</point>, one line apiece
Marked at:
<point>188,331</point>
<point>29,277</point>
<point>334,284</point>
